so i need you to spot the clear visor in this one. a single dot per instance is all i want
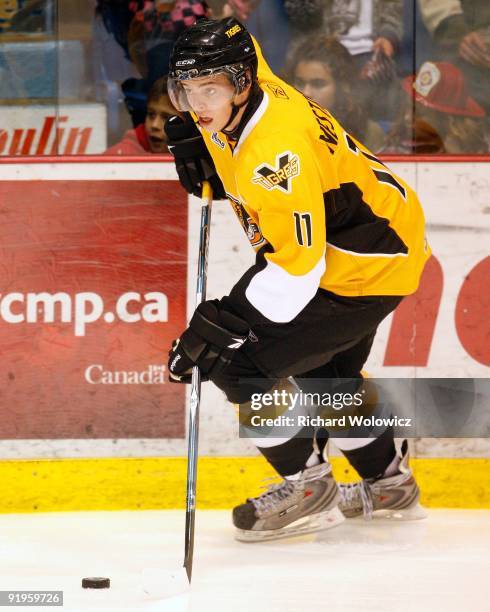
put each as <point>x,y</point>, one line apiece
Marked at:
<point>200,93</point>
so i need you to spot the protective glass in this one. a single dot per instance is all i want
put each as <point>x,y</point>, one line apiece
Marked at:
<point>200,93</point>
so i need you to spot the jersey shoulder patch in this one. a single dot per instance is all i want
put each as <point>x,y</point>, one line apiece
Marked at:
<point>280,177</point>
<point>277,91</point>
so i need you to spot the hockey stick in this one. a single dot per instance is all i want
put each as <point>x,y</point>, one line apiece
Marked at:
<point>202,264</point>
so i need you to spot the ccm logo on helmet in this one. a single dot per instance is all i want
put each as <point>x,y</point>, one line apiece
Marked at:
<point>186,62</point>
<point>232,31</point>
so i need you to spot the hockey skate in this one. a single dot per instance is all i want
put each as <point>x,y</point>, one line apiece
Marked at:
<point>394,497</point>
<point>293,507</point>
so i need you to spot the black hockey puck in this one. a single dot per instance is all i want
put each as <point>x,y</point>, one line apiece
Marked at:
<point>96,583</point>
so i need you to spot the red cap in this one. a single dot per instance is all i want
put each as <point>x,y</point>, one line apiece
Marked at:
<point>441,85</point>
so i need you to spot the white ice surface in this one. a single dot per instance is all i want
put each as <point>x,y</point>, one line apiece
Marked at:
<point>438,564</point>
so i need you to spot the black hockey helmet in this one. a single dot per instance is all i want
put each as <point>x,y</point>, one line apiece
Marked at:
<point>211,47</point>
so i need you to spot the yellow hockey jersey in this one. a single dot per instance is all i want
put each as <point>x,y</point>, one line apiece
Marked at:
<point>331,214</point>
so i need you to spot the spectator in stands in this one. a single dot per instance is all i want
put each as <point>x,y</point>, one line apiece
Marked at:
<point>371,30</point>
<point>151,37</point>
<point>219,9</point>
<point>154,29</point>
<point>439,115</point>
<point>324,70</point>
<point>363,27</point>
<point>116,15</point>
<point>242,9</point>
<point>461,31</point>
<point>267,20</point>
<point>145,30</point>
<point>417,45</point>
<point>148,137</point>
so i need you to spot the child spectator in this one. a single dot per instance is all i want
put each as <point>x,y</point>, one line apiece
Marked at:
<point>461,31</point>
<point>323,70</point>
<point>444,118</point>
<point>148,137</point>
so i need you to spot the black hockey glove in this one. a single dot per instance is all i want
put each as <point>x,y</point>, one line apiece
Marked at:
<point>193,161</point>
<point>209,342</point>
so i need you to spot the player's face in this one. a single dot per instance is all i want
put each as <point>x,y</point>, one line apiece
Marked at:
<point>210,99</point>
<point>316,81</point>
<point>157,112</point>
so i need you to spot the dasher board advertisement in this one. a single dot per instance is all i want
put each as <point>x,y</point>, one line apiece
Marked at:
<point>93,289</point>
<point>68,129</point>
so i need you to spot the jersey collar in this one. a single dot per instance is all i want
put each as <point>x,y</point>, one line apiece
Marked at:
<point>252,122</point>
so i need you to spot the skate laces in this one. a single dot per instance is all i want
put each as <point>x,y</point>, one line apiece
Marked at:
<point>357,494</point>
<point>275,494</point>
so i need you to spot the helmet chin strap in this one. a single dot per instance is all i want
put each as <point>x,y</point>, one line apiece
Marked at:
<point>235,108</point>
<point>252,102</point>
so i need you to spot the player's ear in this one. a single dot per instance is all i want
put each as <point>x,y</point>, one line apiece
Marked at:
<point>249,76</point>
<point>245,84</point>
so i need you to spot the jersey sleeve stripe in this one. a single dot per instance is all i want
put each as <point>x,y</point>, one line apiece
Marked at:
<point>357,254</point>
<point>280,296</point>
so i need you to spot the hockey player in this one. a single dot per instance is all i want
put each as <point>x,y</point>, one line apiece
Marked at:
<point>339,241</point>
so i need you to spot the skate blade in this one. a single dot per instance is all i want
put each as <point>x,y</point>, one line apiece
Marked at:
<point>310,524</point>
<point>413,513</point>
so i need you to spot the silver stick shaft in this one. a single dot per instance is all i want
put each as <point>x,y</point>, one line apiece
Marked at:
<point>192,453</point>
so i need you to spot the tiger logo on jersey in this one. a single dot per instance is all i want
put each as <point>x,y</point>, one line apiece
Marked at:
<point>287,167</point>
<point>251,228</point>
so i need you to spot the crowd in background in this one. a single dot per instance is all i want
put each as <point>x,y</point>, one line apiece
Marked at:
<point>402,76</point>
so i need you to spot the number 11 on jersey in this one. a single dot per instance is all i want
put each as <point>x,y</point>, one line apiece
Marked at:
<point>303,228</point>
